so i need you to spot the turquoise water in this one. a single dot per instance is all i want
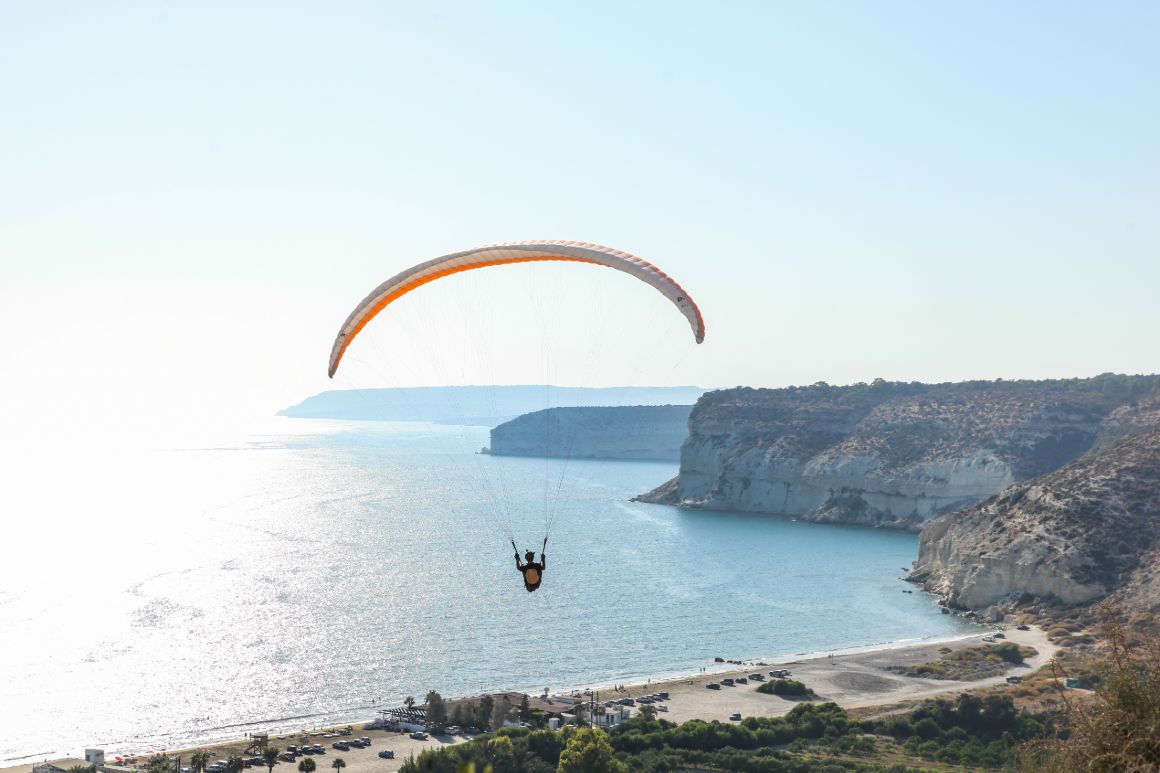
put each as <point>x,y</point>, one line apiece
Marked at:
<point>291,579</point>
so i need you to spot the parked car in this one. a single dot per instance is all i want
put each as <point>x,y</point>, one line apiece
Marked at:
<point>662,707</point>
<point>999,635</point>
<point>1022,628</point>
<point>287,756</point>
<point>455,730</point>
<point>419,735</point>
<point>387,754</point>
<point>366,741</point>
<point>257,760</point>
<point>346,731</point>
<point>735,717</point>
<point>742,680</point>
<point>342,746</point>
<point>727,682</point>
<point>664,696</point>
<point>713,686</point>
<point>757,677</point>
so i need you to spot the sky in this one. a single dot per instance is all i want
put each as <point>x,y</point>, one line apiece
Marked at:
<point>194,195</point>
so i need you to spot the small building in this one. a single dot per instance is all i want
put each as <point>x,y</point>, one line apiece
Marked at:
<point>60,766</point>
<point>403,718</point>
<point>605,716</point>
<point>95,756</point>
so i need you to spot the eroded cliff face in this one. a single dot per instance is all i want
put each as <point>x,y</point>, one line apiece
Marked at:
<point>886,454</point>
<point>645,432</point>
<point>1073,536</point>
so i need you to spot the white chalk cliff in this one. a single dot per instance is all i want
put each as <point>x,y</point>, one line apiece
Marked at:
<point>885,454</point>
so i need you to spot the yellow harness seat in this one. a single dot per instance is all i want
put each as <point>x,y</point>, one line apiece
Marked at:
<point>531,575</point>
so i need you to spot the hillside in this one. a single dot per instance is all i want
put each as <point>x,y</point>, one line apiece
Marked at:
<point>624,432</point>
<point>1074,536</point>
<point>894,454</point>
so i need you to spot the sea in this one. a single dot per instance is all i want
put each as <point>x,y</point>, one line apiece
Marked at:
<point>316,571</point>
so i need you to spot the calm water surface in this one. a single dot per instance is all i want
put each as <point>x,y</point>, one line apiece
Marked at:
<point>290,579</point>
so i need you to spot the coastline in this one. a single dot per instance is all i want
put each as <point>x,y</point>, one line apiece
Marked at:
<point>852,677</point>
<point>784,659</point>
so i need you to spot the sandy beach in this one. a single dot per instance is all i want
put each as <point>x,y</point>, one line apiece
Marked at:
<point>853,679</point>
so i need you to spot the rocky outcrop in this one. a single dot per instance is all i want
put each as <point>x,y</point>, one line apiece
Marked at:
<point>891,454</point>
<point>1074,536</point>
<point>653,432</point>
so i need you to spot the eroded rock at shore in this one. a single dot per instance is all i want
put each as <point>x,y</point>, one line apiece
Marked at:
<point>1085,532</point>
<point>891,454</point>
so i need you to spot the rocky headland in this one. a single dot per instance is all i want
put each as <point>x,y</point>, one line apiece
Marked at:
<point>895,454</point>
<point>645,432</point>
<point>1084,533</point>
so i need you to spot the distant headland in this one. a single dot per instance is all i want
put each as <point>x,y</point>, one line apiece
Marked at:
<point>476,405</point>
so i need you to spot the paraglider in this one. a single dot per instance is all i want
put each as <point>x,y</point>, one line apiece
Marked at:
<point>510,254</point>
<point>532,570</point>
<point>507,254</point>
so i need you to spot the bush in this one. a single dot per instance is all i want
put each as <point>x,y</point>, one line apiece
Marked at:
<point>784,687</point>
<point>1010,652</point>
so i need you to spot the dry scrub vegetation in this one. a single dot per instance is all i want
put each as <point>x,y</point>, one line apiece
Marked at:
<point>1118,727</point>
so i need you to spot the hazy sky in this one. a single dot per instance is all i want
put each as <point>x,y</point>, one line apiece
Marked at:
<point>194,195</point>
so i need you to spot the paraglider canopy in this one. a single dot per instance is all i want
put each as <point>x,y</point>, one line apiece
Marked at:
<point>507,254</point>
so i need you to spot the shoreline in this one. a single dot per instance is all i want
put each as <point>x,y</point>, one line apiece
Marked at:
<point>723,669</point>
<point>361,715</point>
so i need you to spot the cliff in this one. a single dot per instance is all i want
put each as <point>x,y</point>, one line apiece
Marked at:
<point>892,454</point>
<point>626,432</point>
<point>1074,536</point>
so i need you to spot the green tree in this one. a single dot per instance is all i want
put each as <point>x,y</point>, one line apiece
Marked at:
<point>271,757</point>
<point>588,751</point>
<point>159,763</point>
<point>306,765</point>
<point>647,712</point>
<point>500,711</point>
<point>483,714</point>
<point>338,764</point>
<point>199,761</point>
<point>235,764</point>
<point>409,701</point>
<point>436,708</point>
<point>926,728</point>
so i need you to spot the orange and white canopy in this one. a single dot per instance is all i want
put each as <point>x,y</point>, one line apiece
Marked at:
<point>502,255</point>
